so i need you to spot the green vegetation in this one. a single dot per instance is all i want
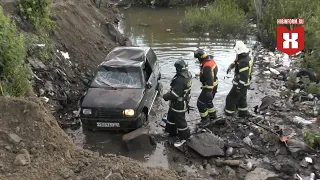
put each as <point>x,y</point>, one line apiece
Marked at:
<point>14,74</point>
<point>312,138</point>
<point>223,17</point>
<point>38,14</point>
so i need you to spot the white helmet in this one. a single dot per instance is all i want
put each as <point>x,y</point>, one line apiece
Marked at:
<point>240,47</point>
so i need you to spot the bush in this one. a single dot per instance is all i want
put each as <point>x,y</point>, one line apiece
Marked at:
<point>223,17</point>
<point>14,75</point>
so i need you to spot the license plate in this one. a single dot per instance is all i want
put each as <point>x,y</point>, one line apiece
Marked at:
<point>103,124</point>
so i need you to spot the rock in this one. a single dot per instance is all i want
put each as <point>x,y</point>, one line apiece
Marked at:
<point>207,144</point>
<point>36,63</point>
<point>14,138</point>
<point>67,173</point>
<point>115,176</point>
<point>139,139</point>
<point>230,173</point>
<point>266,102</point>
<point>260,174</point>
<point>23,158</point>
<point>48,87</point>
<point>8,148</point>
<point>229,151</point>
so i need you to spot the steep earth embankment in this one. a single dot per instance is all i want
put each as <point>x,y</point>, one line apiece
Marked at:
<point>33,146</point>
<point>87,34</point>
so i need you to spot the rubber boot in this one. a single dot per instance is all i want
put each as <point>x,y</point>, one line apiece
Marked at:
<point>213,116</point>
<point>204,121</point>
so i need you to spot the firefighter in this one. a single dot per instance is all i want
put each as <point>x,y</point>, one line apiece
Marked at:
<point>237,97</point>
<point>209,80</point>
<point>179,96</point>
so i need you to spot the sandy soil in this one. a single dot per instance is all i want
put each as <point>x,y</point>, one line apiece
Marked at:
<point>33,146</point>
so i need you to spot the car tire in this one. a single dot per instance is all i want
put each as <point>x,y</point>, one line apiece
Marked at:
<point>159,89</point>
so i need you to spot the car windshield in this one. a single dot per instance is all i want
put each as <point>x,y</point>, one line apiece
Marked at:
<point>118,77</point>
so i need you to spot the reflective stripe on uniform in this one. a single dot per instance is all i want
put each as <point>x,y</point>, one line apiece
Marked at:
<point>212,110</point>
<point>243,109</point>
<point>182,129</point>
<point>168,122</point>
<point>228,111</point>
<point>201,102</point>
<point>243,69</point>
<point>205,114</point>
<point>242,82</point>
<point>175,94</point>
<point>185,109</point>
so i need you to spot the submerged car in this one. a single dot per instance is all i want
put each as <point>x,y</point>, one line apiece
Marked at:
<point>122,91</point>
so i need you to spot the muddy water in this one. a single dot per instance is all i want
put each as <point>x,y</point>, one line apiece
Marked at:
<point>161,29</point>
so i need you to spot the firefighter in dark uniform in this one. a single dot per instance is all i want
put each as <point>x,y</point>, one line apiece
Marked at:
<point>237,97</point>
<point>209,79</point>
<point>179,96</point>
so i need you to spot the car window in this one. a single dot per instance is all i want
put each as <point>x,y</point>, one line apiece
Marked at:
<point>119,77</point>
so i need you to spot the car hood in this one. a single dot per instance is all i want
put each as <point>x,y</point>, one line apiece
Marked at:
<point>110,98</point>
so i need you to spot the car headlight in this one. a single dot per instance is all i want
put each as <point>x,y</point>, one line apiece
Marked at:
<point>86,111</point>
<point>129,112</point>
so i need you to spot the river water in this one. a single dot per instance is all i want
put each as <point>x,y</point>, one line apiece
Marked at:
<point>161,29</point>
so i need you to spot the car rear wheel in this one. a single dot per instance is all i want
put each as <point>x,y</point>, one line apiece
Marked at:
<point>159,89</point>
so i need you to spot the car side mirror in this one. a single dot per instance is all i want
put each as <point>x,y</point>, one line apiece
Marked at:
<point>149,85</point>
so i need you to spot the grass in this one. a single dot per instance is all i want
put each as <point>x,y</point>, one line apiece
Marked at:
<point>221,18</point>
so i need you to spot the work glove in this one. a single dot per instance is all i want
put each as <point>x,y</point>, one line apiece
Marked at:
<point>209,95</point>
<point>231,66</point>
<point>166,96</point>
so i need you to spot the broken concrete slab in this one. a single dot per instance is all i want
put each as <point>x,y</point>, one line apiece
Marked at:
<point>260,174</point>
<point>207,144</point>
<point>139,139</point>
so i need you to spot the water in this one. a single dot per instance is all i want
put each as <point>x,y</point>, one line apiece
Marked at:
<point>161,29</point>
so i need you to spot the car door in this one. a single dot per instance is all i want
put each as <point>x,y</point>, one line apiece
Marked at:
<point>151,86</point>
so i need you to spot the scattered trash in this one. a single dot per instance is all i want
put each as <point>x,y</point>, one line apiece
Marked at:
<point>312,176</point>
<point>45,99</point>
<point>300,121</point>
<point>248,141</point>
<point>274,71</point>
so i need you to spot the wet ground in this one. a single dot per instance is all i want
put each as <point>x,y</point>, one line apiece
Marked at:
<point>161,29</point>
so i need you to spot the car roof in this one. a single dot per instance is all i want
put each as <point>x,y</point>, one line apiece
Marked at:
<point>126,57</point>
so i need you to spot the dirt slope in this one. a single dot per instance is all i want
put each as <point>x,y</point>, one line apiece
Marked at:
<point>34,147</point>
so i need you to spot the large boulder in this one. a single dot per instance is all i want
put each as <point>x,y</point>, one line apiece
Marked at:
<point>207,144</point>
<point>139,139</point>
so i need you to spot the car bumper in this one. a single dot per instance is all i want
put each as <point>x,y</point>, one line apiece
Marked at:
<point>125,123</point>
